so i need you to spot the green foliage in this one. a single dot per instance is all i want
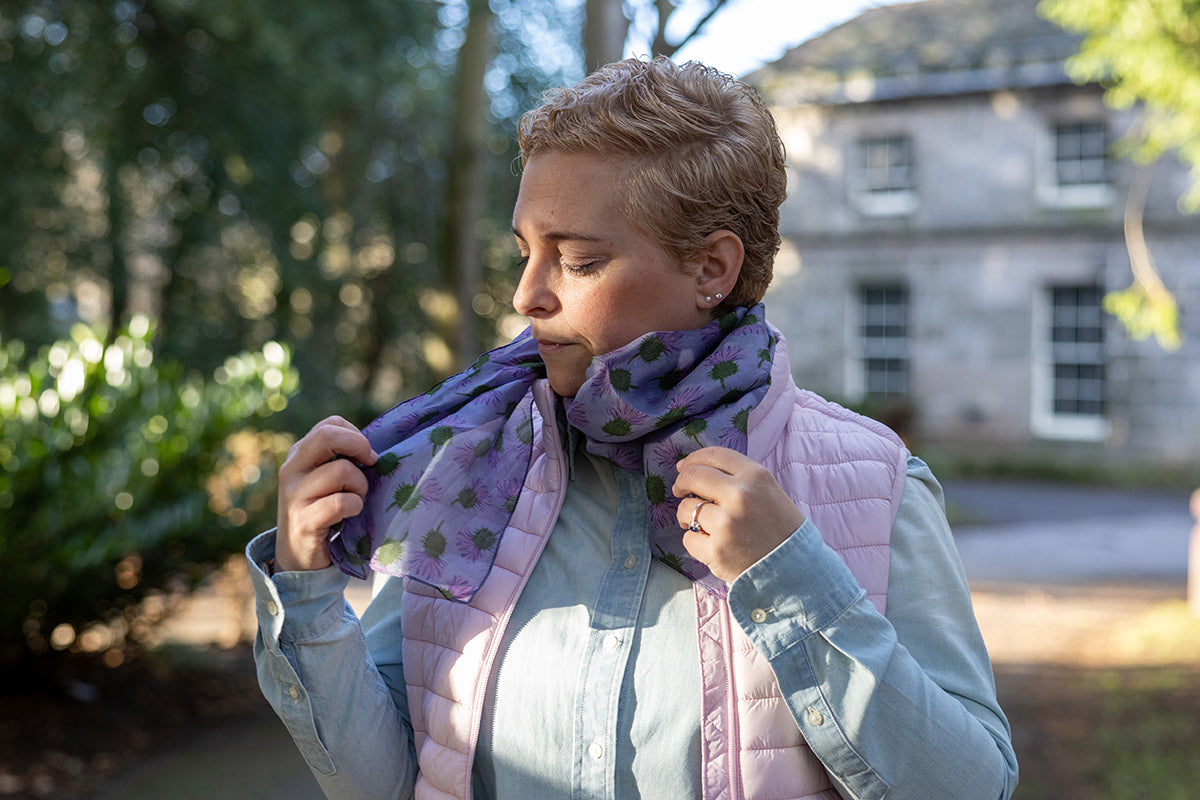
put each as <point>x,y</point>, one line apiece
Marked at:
<point>114,469</point>
<point>263,171</point>
<point>1144,314</point>
<point>1145,52</point>
<point>241,175</point>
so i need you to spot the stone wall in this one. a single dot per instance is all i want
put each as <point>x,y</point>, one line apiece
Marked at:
<point>978,251</point>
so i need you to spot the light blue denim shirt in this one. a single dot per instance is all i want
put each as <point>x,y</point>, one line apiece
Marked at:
<point>596,693</point>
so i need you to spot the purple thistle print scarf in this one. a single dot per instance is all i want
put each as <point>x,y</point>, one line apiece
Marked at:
<point>453,461</point>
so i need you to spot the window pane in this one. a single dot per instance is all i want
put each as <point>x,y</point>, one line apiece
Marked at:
<point>886,164</point>
<point>1081,153</point>
<point>884,340</point>
<point>1077,350</point>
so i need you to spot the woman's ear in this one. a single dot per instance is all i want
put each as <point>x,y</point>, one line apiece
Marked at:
<point>720,266</point>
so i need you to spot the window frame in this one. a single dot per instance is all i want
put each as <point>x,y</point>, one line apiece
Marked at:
<point>1053,190</point>
<point>882,348</point>
<point>1053,352</point>
<point>895,193</point>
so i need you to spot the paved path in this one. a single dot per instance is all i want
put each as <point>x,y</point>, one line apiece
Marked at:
<point>1054,570</point>
<point>1021,532</point>
<point>1018,536</point>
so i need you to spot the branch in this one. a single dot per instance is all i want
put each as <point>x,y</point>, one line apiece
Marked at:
<point>1146,307</point>
<point>1140,260</point>
<point>664,48</point>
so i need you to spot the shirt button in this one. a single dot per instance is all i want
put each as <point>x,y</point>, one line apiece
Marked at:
<point>611,642</point>
<point>758,615</point>
<point>596,750</point>
<point>294,692</point>
<point>272,608</point>
<point>630,562</point>
<point>815,717</point>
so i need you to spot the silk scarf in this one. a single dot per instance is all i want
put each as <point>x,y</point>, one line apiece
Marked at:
<point>452,462</point>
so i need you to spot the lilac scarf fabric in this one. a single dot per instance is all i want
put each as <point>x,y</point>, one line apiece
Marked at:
<point>453,461</point>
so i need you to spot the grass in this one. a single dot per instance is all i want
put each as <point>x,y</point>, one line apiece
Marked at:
<point>1145,745</point>
<point>1124,730</point>
<point>1085,468</point>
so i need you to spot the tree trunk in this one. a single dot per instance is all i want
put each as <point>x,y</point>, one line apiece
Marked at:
<point>118,271</point>
<point>604,30</point>
<point>461,270</point>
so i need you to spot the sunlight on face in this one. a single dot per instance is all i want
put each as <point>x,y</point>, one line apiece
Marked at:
<point>592,282</point>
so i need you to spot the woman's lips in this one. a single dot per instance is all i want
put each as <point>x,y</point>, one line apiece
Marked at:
<point>548,346</point>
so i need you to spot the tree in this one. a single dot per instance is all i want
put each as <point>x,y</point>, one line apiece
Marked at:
<point>1147,54</point>
<point>461,272</point>
<point>608,31</point>
<point>604,33</point>
<point>250,168</point>
<point>227,177</point>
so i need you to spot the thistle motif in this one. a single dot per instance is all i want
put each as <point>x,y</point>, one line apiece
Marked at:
<point>475,545</point>
<point>621,379</point>
<point>723,371</point>
<point>405,497</point>
<point>390,551</point>
<point>387,463</point>
<point>440,435</point>
<point>617,427</point>
<point>656,489</point>
<point>651,349</point>
<point>643,408</point>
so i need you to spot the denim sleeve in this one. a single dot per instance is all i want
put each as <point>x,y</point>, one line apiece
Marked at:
<point>316,671</point>
<point>902,705</point>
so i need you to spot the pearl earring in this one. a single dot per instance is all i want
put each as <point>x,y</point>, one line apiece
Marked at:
<point>707,299</point>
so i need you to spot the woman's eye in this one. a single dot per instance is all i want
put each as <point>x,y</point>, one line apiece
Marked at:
<point>579,267</point>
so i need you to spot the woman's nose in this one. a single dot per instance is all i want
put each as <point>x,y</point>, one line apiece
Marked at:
<point>534,296</point>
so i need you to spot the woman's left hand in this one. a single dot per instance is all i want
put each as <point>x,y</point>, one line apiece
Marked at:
<point>747,514</point>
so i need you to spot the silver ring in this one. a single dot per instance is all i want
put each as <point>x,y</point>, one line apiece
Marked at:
<point>695,526</point>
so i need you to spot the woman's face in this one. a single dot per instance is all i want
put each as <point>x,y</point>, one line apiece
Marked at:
<point>592,282</point>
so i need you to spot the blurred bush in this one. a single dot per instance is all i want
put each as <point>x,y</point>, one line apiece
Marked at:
<point>121,480</point>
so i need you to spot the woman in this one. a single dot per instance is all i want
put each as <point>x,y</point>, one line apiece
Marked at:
<point>636,559</point>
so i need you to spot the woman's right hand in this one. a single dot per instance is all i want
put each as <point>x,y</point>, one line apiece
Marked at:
<point>320,484</point>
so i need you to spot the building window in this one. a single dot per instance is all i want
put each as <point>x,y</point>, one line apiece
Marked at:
<point>1081,154</point>
<point>1072,401</point>
<point>1078,170</point>
<point>886,176</point>
<point>883,336</point>
<point>1077,347</point>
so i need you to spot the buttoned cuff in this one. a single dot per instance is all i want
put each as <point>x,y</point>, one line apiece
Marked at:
<point>313,600</point>
<point>794,591</point>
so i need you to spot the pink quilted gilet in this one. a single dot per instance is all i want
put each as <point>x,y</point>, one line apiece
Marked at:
<point>844,472</point>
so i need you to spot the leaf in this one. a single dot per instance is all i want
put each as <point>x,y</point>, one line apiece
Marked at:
<point>1144,316</point>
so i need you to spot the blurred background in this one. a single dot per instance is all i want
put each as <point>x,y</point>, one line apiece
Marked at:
<point>221,222</point>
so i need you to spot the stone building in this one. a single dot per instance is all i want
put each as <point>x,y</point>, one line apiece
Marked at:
<point>954,221</point>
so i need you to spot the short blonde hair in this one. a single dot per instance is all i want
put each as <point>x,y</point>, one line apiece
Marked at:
<point>703,153</point>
